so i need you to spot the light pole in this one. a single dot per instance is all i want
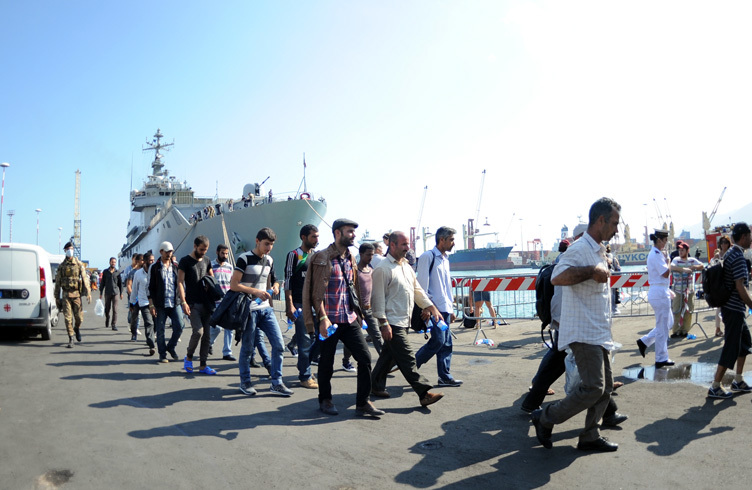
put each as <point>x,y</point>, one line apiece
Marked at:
<point>2,198</point>
<point>59,238</point>
<point>38,211</point>
<point>522,243</point>
<point>11,212</point>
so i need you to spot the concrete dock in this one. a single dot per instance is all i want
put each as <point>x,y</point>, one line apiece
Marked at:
<point>102,415</point>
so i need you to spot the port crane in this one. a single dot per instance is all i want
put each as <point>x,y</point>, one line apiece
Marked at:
<point>413,237</point>
<point>708,220</point>
<point>470,232</point>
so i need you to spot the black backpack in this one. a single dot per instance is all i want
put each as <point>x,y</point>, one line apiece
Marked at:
<point>544,292</point>
<point>714,286</point>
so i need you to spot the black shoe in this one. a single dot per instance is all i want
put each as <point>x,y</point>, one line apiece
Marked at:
<point>641,345</point>
<point>601,444</point>
<point>542,433</point>
<point>228,358</point>
<point>133,338</point>
<point>78,334</point>
<point>70,342</point>
<point>614,419</point>
<point>677,336</point>
<point>211,351</point>
<point>661,364</point>
<point>173,354</point>
<point>254,364</point>
<point>328,407</point>
<point>528,409</point>
<point>114,328</point>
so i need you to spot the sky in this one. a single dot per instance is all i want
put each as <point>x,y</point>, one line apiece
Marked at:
<point>646,102</point>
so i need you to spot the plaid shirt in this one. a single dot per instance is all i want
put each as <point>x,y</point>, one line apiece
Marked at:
<point>336,298</point>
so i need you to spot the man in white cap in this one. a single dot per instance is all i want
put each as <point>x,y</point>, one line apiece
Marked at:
<point>166,297</point>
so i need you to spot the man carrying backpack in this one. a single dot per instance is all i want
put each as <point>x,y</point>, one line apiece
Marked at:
<point>738,342</point>
<point>434,277</point>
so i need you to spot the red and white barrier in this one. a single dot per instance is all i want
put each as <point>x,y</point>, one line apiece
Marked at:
<point>527,283</point>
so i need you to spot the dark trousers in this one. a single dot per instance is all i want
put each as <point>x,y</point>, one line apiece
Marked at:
<point>398,351</point>
<point>110,301</point>
<point>551,368</point>
<point>148,323</point>
<point>200,332</point>
<point>350,335</point>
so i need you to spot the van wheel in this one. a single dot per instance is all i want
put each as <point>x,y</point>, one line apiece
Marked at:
<point>54,320</point>
<point>47,332</point>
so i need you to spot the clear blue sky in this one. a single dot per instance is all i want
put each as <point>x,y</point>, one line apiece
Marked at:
<point>561,102</point>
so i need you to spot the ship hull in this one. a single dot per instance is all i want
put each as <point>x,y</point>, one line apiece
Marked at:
<point>480,259</point>
<point>284,217</point>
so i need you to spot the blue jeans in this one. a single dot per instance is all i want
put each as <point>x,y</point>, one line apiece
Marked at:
<point>265,321</point>
<point>227,346</point>
<point>258,340</point>
<point>307,347</point>
<point>440,345</point>
<point>175,315</point>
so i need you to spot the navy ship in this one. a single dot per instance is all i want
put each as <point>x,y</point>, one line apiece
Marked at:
<point>166,209</point>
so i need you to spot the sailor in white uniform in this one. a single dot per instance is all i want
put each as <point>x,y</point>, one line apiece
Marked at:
<point>659,296</point>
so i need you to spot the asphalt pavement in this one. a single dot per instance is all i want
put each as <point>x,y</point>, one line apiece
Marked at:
<point>104,415</point>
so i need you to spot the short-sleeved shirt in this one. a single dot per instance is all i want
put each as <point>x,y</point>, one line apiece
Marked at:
<point>684,281</point>
<point>657,267</point>
<point>735,267</point>
<point>194,270</point>
<point>258,273</point>
<point>586,306</point>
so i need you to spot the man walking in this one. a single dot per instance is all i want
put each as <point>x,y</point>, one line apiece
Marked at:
<point>434,277</point>
<point>222,270</point>
<point>296,267</point>
<point>140,301</point>
<point>111,288</point>
<point>71,281</point>
<point>738,342</point>
<point>329,284</point>
<point>191,269</point>
<point>166,297</point>
<point>133,305</point>
<point>586,329</point>
<point>395,290</point>
<point>254,275</point>
<point>365,283</point>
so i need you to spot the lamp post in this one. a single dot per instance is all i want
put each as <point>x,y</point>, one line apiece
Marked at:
<point>11,213</point>
<point>522,243</point>
<point>2,198</point>
<point>38,211</point>
<point>59,238</point>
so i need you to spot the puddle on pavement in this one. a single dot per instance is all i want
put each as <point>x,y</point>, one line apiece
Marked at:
<point>700,373</point>
<point>478,361</point>
<point>431,445</point>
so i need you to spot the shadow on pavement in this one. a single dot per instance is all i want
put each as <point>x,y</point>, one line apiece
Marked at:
<point>669,436</point>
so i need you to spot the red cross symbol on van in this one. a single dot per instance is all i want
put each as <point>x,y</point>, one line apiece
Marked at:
<point>6,307</point>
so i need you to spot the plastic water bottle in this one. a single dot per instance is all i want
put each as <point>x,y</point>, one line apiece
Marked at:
<point>259,300</point>
<point>441,324</point>
<point>296,314</point>
<point>488,342</point>
<point>691,336</point>
<point>365,325</point>
<point>329,331</point>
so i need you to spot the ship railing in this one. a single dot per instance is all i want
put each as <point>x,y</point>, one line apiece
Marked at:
<point>513,296</point>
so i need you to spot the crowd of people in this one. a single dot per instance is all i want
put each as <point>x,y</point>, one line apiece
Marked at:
<point>331,297</point>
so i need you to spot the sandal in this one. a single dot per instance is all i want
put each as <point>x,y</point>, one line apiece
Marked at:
<point>718,333</point>
<point>550,392</point>
<point>187,365</point>
<point>207,370</point>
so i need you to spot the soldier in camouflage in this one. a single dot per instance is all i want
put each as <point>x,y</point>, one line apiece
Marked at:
<point>71,282</point>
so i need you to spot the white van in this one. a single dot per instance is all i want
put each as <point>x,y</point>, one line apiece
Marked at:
<point>26,289</point>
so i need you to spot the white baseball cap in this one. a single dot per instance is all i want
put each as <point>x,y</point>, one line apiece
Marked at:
<point>166,247</point>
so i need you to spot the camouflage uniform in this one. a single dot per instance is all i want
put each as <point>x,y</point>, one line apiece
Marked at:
<point>71,282</point>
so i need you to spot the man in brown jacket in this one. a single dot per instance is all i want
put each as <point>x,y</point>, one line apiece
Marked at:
<point>329,296</point>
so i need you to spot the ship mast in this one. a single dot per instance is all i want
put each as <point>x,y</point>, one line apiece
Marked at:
<point>156,145</point>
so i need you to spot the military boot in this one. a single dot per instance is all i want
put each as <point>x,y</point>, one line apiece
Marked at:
<point>70,342</point>
<point>78,334</point>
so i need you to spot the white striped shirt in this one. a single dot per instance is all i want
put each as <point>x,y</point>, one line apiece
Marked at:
<point>585,307</point>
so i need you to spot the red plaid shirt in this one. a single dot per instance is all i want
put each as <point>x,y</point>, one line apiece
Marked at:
<point>336,298</point>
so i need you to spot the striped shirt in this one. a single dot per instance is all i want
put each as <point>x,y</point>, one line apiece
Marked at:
<point>258,273</point>
<point>223,275</point>
<point>735,267</point>
<point>337,297</point>
<point>684,281</point>
<point>586,306</point>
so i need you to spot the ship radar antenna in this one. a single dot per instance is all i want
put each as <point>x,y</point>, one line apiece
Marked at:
<point>156,145</point>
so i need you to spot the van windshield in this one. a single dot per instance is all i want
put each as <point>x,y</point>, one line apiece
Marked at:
<point>18,265</point>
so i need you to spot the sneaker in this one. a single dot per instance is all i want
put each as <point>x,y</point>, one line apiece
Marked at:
<point>114,328</point>
<point>449,382</point>
<point>719,392</point>
<point>133,338</point>
<point>163,360</point>
<point>281,390</point>
<point>740,386</point>
<point>247,389</point>
<point>309,383</point>
<point>348,366</point>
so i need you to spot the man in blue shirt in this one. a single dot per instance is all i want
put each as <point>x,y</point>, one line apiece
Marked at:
<point>435,279</point>
<point>738,342</point>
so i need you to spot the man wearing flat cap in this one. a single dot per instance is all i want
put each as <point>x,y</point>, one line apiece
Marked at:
<point>330,300</point>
